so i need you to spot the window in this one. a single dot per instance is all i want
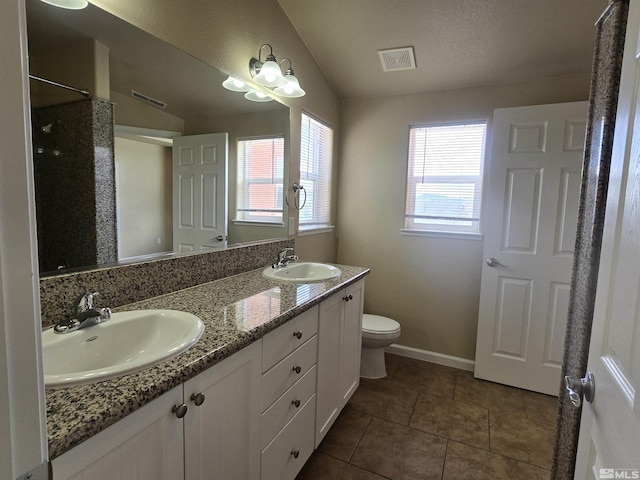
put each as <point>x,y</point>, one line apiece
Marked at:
<point>260,179</point>
<point>316,147</point>
<point>444,177</point>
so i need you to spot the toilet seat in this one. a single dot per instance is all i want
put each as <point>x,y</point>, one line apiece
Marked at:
<point>378,326</point>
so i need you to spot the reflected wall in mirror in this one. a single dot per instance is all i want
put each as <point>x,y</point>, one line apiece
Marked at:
<point>156,92</point>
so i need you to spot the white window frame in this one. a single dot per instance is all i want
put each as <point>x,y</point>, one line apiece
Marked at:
<point>411,222</point>
<point>244,215</point>
<point>321,178</point>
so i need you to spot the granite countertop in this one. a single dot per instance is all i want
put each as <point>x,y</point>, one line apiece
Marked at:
<point>236,311</point>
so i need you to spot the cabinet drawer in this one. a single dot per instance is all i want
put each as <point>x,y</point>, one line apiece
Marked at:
<point>283,340</point>
<point>284,374</point>
<point>284,409</point>
<point>278,460</point>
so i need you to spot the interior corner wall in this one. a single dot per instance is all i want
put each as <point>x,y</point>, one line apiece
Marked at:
<point>430,285</point>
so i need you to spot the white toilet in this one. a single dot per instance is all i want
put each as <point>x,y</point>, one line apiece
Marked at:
<point>377,332</point>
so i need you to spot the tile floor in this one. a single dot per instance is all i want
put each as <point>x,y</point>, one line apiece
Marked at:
<point>426,421</point>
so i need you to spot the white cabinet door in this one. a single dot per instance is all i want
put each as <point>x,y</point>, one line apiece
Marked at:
<point>222,435</point>
<point>351,343</point>
<point>146,445</point>
<point>328,364</point>
<point>339,345</point>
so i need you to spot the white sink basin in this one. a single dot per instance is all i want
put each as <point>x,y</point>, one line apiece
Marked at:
<point>128,342</point>
<point>302,272</point>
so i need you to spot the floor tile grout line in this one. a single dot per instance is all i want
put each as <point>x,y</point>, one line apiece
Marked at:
<point>360,439</point>
<point>444,460</point>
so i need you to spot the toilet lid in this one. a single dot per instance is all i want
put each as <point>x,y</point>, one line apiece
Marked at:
<point>379,324</point>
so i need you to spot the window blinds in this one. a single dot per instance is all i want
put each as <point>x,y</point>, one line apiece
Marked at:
<point>444,177</point>
<point>259,189</point>
<point>316,148</point>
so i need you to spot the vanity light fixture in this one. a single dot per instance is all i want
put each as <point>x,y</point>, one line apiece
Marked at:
<point>268,73</point>
<point>292,88</point>
<point>68,4</point>
<point>235,85</point>
<point>257,96</point>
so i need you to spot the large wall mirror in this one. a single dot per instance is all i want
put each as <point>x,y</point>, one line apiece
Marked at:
<point>107,188</point>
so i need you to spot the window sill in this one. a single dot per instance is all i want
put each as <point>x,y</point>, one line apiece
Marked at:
<point>258,224</point>
<point>432,233</point>
<point>302,232</point>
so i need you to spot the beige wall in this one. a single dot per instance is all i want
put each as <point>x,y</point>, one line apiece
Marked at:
<point>226,34</point>
<point>133,113</point>
<point>143,198</point>
<point>83,65</point>
<point>430,285</point>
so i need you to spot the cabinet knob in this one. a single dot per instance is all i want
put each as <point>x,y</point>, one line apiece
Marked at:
<point>348,297</point>
<point>297,334</point>
<point>295,453</point>
<point>180,410</point>
<point>197,398</point>
<point>296,402</point>
<point>297,369</point>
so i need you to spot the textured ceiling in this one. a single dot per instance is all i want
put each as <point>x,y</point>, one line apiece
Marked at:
<point>457,43</point>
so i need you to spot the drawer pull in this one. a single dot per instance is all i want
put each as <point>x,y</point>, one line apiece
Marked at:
<point>347,298</point>
<point>296,402</point>
<point>180,410</point>
<point>295,453</point>
<point>197,398</point>
<point>297,369</point>
<point>297,334</point>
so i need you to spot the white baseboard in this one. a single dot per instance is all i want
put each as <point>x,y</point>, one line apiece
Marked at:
<point>432,357</point>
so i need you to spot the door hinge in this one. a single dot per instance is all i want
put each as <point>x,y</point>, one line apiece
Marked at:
<point>41,472</point>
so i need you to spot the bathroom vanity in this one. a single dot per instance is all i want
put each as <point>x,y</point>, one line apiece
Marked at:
<point>274,367</point>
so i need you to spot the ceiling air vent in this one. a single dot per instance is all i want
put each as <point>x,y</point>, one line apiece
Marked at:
<point>397,59</point>
<point>148,99</point>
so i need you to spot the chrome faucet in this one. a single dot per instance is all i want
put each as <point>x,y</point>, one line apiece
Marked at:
<point>86,315</point>
<point>284,259</point>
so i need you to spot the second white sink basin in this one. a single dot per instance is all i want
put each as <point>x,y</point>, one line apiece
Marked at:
<point>302,272</point>
<point>128,342</point>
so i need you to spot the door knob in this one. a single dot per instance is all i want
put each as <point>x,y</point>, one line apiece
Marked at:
<point>579,388</point>
<point>492,262</point>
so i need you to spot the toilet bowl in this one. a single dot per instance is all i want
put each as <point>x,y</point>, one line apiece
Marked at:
<point>377,332</point>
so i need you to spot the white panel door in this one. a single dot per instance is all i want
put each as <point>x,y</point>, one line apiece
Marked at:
<point>530,226</point>
<point>200,192</point>
<point>609,445</point>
